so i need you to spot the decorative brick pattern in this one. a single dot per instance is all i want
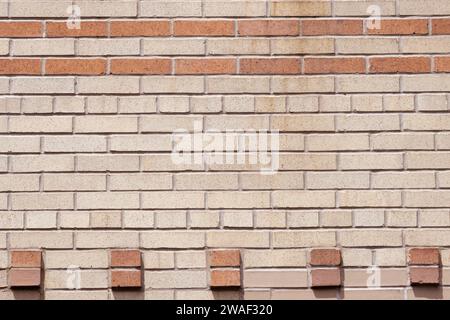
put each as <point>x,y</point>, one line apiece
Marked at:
<point>25,269</point>
<point>126,269</point>
<point>225,269</point>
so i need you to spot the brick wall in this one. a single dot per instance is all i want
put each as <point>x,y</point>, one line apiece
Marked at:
<point>92,200</point>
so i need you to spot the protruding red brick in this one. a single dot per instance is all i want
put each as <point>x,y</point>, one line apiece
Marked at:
<point>326,277</point>
<point>268,28</point>
<point>424,275</point>
<point>225,278</point>
<point>126,279</point>
<point>203,28</point>
<point>315,27</point>
<point>24,277</point>
<point>225,258</point>
<point>424,256</point>
<point>401,27</point>
<point>87,29</point>
<point>125,258</point>
<point>325,257</point>
<point>26,259</point>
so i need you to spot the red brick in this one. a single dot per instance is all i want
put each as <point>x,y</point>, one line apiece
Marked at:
<point>270,66</point>
<point>75,66</point>
<point>334,65</point>
<point>126,279</point>
<point>269,28</point>
<point>424,256</point>
<point>20,29</point>
<point>141,66</point>
<point>326,277</point>
<point>400,65</point>
<point>424,275</point>
<point>87,29</point>
<point>20,66</point>
<point>440,26</point>
<point>203,28</point>
<point>125,258</point>
<point>442,64</point>
<point>325,257</point>
<point>224,258</point>
<point>331,27</point>
<point>24,277</point>
<point>140,28</point>
<point>26,259</point>
<point>225,278</point>
<point>205,66</point>
<point>401,27</point>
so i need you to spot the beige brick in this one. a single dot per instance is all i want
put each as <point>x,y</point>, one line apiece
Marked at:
<point>390,257</point>
<point>161,294</point>
<point>239,104</point>
<point>101,104</point>
<point>8,104</point>
<point>368,218</point>
<point>84,259</point>
<point>370,238</point>
<point>4,50</point>
<point>126,182</point>
<point>443,179</point>
<point>445,257</point>
<point>109,239</point>
<point>237,239</point>
<point>11,182</point>
<point>300,8</point>
<point>274,258</point>
<point>107,200</point>
<point>3,124</point>
<point>334,103</point>
<point>403,141</point>
<point>359,8</point>
<point>4,201</point>
<point>356,257</point>
<point>108,84</point>
<point>206,104</point>
<point>237,200</point>
<point>204,219</point>
<point>77,295</point>
<point>364,278</point>
<point>41,220</point>
<point>4,9</point>
<point>276,278</point>
<point>415,7</point>
<point>229,46</point>
<point>4,259</point>
<point>333,218</point>
<point>170,123</point>
<point>173,84</point>
<point>75,144</point>
<point>291,142</point>
<point>3,164</point>
<point>367,103</point>
<point>173,104</point>
<point>43,201</point>
<point>135,143</point>
<point>401,218</point>
<point>168,47</point>
<point>427,238</point>
<point>259,294</point>
<point>403,180</point>
<point>215,8</point>
<point>141,104</point>
<point>40,124</point>
<point>3,240</point>
<point>270,219</point>
<point>37,105</point>
<point>69,104</point>
<point>303,239</point>
<point>427,199</point>
<point>138,219</point>
<point>173,200</point>
<point>3,279</point>
<point>341,142</point>
<point>302,46</point>
<point>434,218</point>
<point>237,219</point>
<point>365,83</point>
<point>222,84</point>
<point>421,83</point>
<point>280,180</point>
<point>300,123</point>
<point>209,181</point>
<point>175,279</point>
<point>337,180</point>
<point>189,8</point>
<point>41,239</point>
<point>370,199</point>
<point>74,220</point>
<point>176,239</point>
<point>304,294</point>
<point>302,219</point>
<point>303,199</point>
<point>38,85</point>
<point>374,122</point>
<point>367,46</point>
<point>171,220</point>
<point>371,161</point>
<point>11,220</point>
<point>427,160</point>
<point>223,123</point>
<point>292,84</point>
<point>112,8</point>
<point>85,279</point>
<point>191,259</point>
<point>159,260</point>
<point>162,162</point>
<point>43,47</point>
<point>443,141</point>
<point>106,219</point>
<point>426,122</point>
<point>28,9</point>
<point>432,102</point>
<point>373,294</point>
<point>398,102</point>
<point>113,163</point>
<point>108,47</point>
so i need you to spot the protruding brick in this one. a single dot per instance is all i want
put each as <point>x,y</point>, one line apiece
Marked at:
<point>225,278</point>
<point>24,277</point>
<point>326,277</point>
<point>125,258</point>
<point>424,256</point>
<point>424,275</point>
<point>126,279</point>
<point>325,257</point>
<point>26,259</point>
<point>224,258</point>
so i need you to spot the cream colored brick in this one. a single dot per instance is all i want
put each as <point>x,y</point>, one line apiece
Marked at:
<point>334,103</point>
<point>215,8</point>
<point>302,219</point>
<point>41,239</point>
<point>106,219</point>
<point>426,122</point>
<point>237,219</point>
<point>403,180</point>
<point>371,161</point>
<point>237,239</point>
<point>4,50</point>
<point>300,8</point>
<point>138,219</point>
<point>112,8</point>
<point>4,85</point>
<point>101,104</point>
<point>38,85</point>
<point>276,278</point>
<point>38,124</point>
<point>4,9</point>
<point>229,46</point>
<point>443,141</point>
<point>175,279</point>
<point>374,294</point>
<point>42,201</point>
<point>173,200</point>
<point>360,7</point>
<point>108,84</point>
<point>274,258</point>
<point>3,240</point>
<point>209,181</point>
<point>403,141</point>
<point>390,257</point>
<point>3,164</point>
<point>240,84</point>
<point>300,123</point>
<point>191,259</point>
<point>356,257</point>
<point>303,199</point>
<point>401,218</point>
<point>365,83</point>
<point>107,200</point>
<point>353,198</point>
<point>173,84</point>
<point>368,218</point>
<point>170,123</point>
<point>3,201</point>
<point>113,163</point>
<point>341,142</point>
<point>292,84</point>
<point>86,279</point>
<point>204,219</point>
<point>162,162</point>
<point>427,199</point>
<point>75,144</point>
<point>367,45</point>
<point>8,104</point>
<point>434,218</point>
<point>427,238</point>
<point>398,102</point>
<point>168,47</point>
<point>333,218</point>
<point>387,277</point>
<point>238,200</point>
<point>206,104</point>
<point>270,219</point>
<point>108,47</point>
<point>303,239</point>
<point>43,47</point>
<point>11,182</point>
<point>161,294</point>
<point>302,46</point>
<point>141,104</point>
<point>291,142</point>
<point>270,104</point>
<point>370,238</point>
<point>443,179</point>
<point>109,239</point>
<point>3,124</point>
<point>445,257</point>
<point>421,83</point>
<point>420,8</point>
<point>280,180</point>
<point>126,182</point>
<point>367,103</point>
<point>159,260</point>
<point>3,279</point>
<point>186,8</point>
<point>337,180</point>
<point>239,104</point>
<point>171,220</point>
<point>28,9</point>
<point>176,239</point>
<point>11,220</point>
<point>77,295</point>
<point>223,123</point>
<point>74,220</point>
<point>40,220</point>
<point>84,259</point>
<point>432,102</point>
<point>427,160</point>
<point>309,161</point>
<point>4,259</point>
<point>37,105</point>
<point>69,104</point>
<point>135,143</point>
<point>173,104</point>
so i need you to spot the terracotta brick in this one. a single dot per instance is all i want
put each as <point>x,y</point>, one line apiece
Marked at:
<point>325,257</point>
<point>424,256</point>
<point>126,279</point>
<point>401,27</point>
<point>400,65</point>
<point>268,28</point>
<point>140,28</point>
<point>205,66</point>
<point>225,258</point>
<point>20,29</point>
<point>440,26</point>
<point>442,64</point>
<point>203,28</point>
<point>334,65</point>
<point>20,66</point>
<point>87,29</point>
<point>331,27</point>
<point>424,275</point>
<point>225,278</point>
<point>125,258</point>
<point>75,66</point>
<point>24,277</point>
<point>325,277</point>
<point>270,66</point>
<point>141,66</point>
<point>26,259</point>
